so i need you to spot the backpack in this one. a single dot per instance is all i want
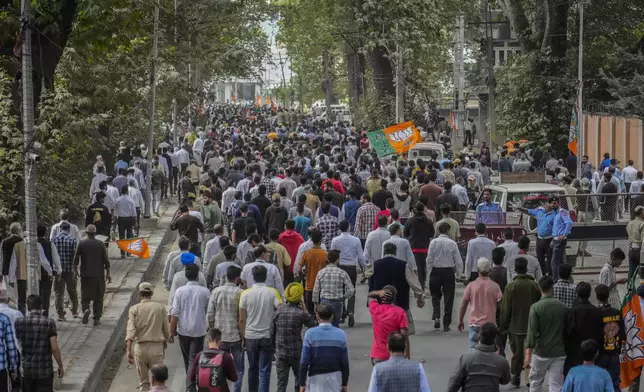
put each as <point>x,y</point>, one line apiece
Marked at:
<point>210,371</point>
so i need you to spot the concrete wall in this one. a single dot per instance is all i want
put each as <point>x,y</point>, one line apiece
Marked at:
<point>622,138</point>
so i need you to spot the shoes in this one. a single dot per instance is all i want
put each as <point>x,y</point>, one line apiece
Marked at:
<point>86,314</point>
<point>61,318</point>
<point>516,381</point>
<point>437,324</point>
<point>352,321</point>
<point>122,256</point>
<point>75,315</point>
<point>446,329</point>
<point>97,323</point>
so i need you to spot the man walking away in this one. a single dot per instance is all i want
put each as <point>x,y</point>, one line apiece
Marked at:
<point>583,322</point>
<point>518,297</point>
<point>324,365</point>
<point>50,269</point>
<point>125,212</point>
<point>443,264</point>
<point>9,366</point>
<point>481,246</point>
<point>66,246</point>
<point>482,369</point>
<point>484,294</point>
<point>188,316</point>
<point>189,226</point>
<point>207,371</point>
<point>611,344</point>
<point>544,345</point>
<point>286,334</point>
<point>398,373</point>
<point>91,254</point>
<point>256,311</point>
<point>608,277</point>
<point>147,329</point>
<point>313,260</point>
<point>38,338</point>
<point>223,314</point>
<point>588,377</point>
<point>386,318</point>
<point>158,378</point>
<point>333,286</point>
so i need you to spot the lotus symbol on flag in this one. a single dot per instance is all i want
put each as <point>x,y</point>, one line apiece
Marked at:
<point>401,135</point>
<point>634,347</point>
<point>135,246</point>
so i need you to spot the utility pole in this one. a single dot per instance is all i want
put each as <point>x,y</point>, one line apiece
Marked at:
<point>153,95</point>
<point>30,158</point>
<point>174,100</point>
<point>400,86</point>
<point>459,70</point>
<point>580,92</point>
<point>491,83</point>
<point>283,80</point>
<point>327,78</point>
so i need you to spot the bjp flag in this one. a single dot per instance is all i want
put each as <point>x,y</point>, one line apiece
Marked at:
<point>135,246</point>
<point>631,359</point>
<point>395,139</point>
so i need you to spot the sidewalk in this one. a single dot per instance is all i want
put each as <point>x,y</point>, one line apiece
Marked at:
<point>86,349</point>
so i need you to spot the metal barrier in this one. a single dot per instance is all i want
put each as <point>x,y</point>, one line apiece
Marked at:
<point>588,209</point>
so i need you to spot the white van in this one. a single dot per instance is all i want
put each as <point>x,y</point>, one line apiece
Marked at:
<point>425,151</point>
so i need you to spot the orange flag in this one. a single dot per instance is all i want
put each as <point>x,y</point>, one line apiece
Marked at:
<point>135,246</point>
<point>632,355</point>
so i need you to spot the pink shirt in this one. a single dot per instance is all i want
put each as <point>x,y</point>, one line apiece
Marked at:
<point>386,318</point>
<point>483,294</point>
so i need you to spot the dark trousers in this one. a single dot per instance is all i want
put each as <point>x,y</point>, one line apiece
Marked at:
<point>517,347</point>
<point>442,284</point>
<point>236,350</point>
<point>4,380</point>
<point>38,384</point>
<point>353,275</point>
<point>421,264</point>
<point>93,290</point>
<point>174,179</point>
<point>558,256</point>
<point>500,341</point>
<point>260,357</point>
<point>544,254</point>
<point>283,368</point>
<point>46,282</point>
<point>473,276</point>
<point>633,262</point>
<point>336,305</point>
<point>22,296</point>
<point>66,280</point>
<point>190,347</point>
<point>611,364</point>
<point>308,301</point>
<point>195,249</point>
<point>468,137</point>
<point>125,225</point>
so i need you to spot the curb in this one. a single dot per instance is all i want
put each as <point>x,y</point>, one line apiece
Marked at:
<point>91,380</point>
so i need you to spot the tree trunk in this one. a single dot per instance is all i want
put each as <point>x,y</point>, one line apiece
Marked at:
<point>355,70</point>
<point>383,73</point>
<point>327,85</point>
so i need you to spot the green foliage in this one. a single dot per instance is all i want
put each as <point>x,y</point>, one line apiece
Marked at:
<point>10,156</point>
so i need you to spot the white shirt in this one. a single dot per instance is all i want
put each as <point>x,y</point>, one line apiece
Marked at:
<point>179,281</point>
<point>198,145</point>
<point>403,250</point>
<point>443,253</point>
<point>213,247</point>
<point>636,186</point>
<point>184,156</point>
<point>136,195</point>
<point>44,263</point>
<point>13,315</point>
<point>73,230</point>
<point>461,193</point>
<point>478,247</point>
<point>511,250</point>
<point>227,197</point>
<point>630,174</point>
<point>189,306</point>
<point>373,244</point>
<point>273,277</point>
<point>350,250</point>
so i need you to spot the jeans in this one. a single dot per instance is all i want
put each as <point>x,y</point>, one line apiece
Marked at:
<point>353,275</point>
<point>66,280</point>
<point>473,336</point>
<point>190,347</point>
<point>442,284</point>
<point>283,368</point>
<point>538,369</point>
<point>558,256</point>
<point>125,225</point>
<point>336,305</point>
<point>260,357</point>
<point>235,349</point>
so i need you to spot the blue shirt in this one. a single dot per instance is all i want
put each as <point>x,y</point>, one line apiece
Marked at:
<point>545,221</point>
<point>351,211</point>
<point>335,211</point>
<point>489,213</point>
<point>324,351</point>
<point>588,378</point>
<point>562,223</point>
<point>119,165</point>
<point>605,163</point>
<point>302,224</point>
<point>350,249</point>
<point>8,350</point>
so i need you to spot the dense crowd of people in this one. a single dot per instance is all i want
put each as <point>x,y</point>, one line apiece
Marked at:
<point>280,218</point>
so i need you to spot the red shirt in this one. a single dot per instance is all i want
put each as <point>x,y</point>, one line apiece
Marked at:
<point>337,185</point>
<point>384,212</point>
<point>386,318</point>
<point>291,240</point>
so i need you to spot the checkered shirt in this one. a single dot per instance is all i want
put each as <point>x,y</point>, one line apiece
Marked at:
<point>564,291</point>
<point>8,350</point>
<point>328,226</point>
<point>270,186</point>
<point>286,331</point>
<point>33,333</point>
<point>66,246</point>
<point>364,220</point>
<point>223,311</point>
<point>332,283</point>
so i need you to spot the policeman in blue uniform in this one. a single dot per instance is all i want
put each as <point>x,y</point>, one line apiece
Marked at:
<point>489,212</point>
<point>545,217</point>
<point>561,226</point>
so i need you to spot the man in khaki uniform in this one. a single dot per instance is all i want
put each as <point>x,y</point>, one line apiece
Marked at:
<point>147,328</point>
<point>635,230</point>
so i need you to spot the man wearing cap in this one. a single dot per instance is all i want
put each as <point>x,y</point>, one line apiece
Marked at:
<point>179,279</point>
<point>147,328</point>
<point>286,334</point>
<point>484,295</point>
<point>545,217</point>
<point>635,230</point>
<point>91,254</point>
<point>561,226</point>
